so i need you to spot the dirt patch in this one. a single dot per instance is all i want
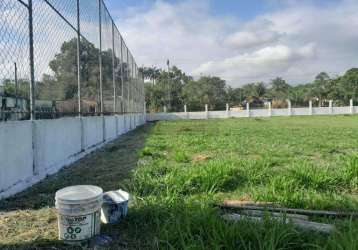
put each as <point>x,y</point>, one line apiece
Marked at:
<point>201,157</point>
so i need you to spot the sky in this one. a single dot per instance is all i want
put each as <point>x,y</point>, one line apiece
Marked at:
<point>242,41</point>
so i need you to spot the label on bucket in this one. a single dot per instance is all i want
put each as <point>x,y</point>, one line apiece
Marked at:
<point>77,228</point>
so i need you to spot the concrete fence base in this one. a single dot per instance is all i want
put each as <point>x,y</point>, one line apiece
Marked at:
<point>253,113</point>
<point>32,150</point>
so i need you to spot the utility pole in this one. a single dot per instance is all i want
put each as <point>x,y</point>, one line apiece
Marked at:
<point>169,95</point>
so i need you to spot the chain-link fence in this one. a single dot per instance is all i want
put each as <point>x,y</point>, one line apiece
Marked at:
<point>64,58</point>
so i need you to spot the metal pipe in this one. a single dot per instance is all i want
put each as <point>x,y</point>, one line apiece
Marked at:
<point>23,3</point>
<point>100,56</point>
<point>79,59</point>
<point>59,14</point>
<point>114,73</point>
<point>122,80</point>
<point>128,92</point>
<point>32,67</point>
<point>16,86</point>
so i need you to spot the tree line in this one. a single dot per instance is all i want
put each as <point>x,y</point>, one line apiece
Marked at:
<point>173,89</point>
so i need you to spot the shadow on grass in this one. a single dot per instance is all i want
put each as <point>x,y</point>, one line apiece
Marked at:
<point>39,244</point>
<point>105,167</point>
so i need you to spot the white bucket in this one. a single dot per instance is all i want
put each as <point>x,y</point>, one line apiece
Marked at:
<point>115,206</point>
<point>79,210</point>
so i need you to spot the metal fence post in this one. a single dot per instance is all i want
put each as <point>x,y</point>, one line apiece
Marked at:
<point>248,109</point>
<point>114,73</point>
<point>32,65</point>
<point>122,80</point>
<point>310,110</point>
<point>100,70</point>
<point>289,107</point>
<point>128,89</point>
<point>351,106</point>
<point>100,55</point>
<point>79,59</point>
<point>32,87</point>
<point>16,91</point>
<point>331,107</point>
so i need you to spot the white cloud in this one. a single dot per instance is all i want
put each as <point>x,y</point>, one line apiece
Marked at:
<point>296,42</point>
<point>246,39</point>
<point>185,33</point>
<point>258,64</point>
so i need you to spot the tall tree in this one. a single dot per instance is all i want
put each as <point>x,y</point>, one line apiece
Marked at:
<point>207,90</point>
<point>321,87</point>
<point>348,85</point>
<point>279,89</point>
<point>254,93</point>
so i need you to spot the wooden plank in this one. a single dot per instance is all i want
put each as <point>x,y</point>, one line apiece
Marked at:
<point>258,213</point>
<point>302,224</point>
<point>249,203</point>
<point>314,226</point>
<point>321,213</point>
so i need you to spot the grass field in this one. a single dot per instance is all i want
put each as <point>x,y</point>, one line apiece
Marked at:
<point>178,170</point>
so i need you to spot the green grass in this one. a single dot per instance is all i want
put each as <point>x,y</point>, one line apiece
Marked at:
<point>178,170</point>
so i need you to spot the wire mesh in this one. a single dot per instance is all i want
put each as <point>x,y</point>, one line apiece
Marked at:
<point>66,8</point>
<point>125,77</point>
<point>55,56</point>
<point>14,62</point>
<point>89,20</point>
<point>90,78</point>
<point>118,69</point>
<point>78,52</point>
<point>107,60</point>
<point>130,82</point>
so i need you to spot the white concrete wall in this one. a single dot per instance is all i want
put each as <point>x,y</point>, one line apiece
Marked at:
<point>56,142</point>
<point>252,113</point>
<point>125,127</point>
<point>135,120</point>
<point>320,111</point>
<point>341,110</point>
<point>31,150</point>
<point>16,154</point>
<point>110,123</point>
<point>92,131</point>
<point>121,125</point>
<point>132,121</point>
<point>300,111</point>
<point>278,112</point>
<point>259,113</point>
<point>217,114</point>
<point>238,114</point>
<point>195,115</point>
<point>127,118</point>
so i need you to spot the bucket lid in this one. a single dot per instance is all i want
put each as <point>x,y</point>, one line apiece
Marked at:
<point>79,194</point>
<point>117,196</point>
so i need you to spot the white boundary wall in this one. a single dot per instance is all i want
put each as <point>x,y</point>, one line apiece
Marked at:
<point>253,113</point>
<point>32,150</point>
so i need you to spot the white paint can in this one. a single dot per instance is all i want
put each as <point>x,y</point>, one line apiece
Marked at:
<point>115,206</point>
<point>79,209</point>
